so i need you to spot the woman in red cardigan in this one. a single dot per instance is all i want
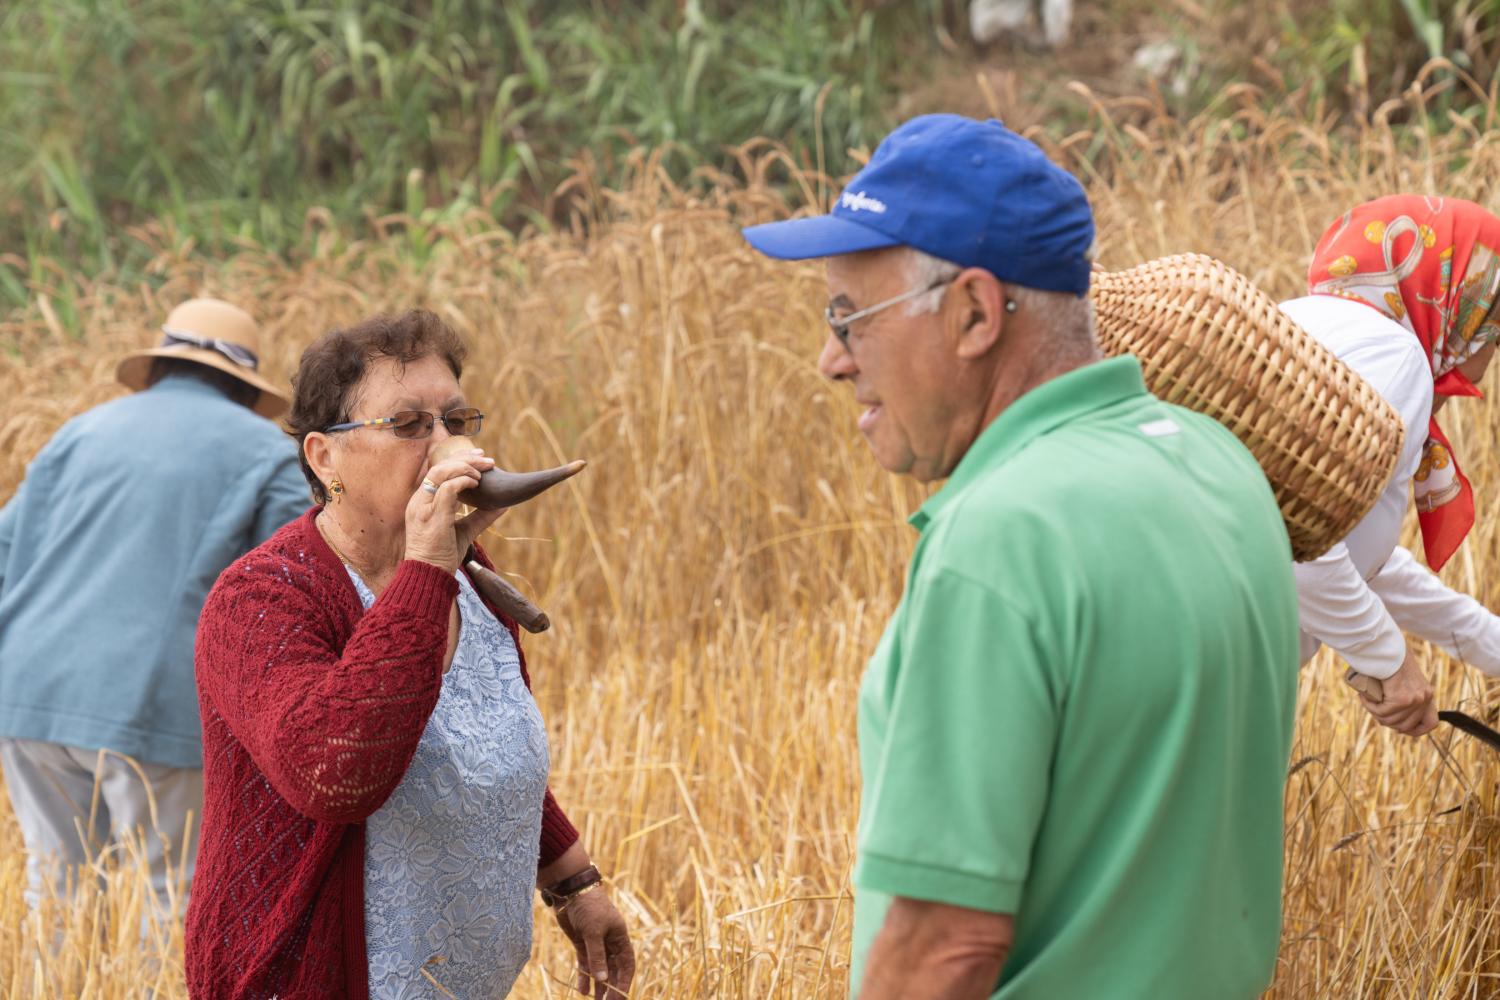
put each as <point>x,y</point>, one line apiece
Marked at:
<point>376,813</point>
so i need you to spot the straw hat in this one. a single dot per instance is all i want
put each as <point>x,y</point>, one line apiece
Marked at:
<point>213,333</point>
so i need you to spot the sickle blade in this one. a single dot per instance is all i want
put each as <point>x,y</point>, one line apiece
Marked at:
<point>1472,726</point>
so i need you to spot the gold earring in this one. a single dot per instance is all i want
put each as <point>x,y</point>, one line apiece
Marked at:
<point>336,487</point>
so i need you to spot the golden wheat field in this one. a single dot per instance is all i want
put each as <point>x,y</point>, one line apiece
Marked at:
<point>720,573</point>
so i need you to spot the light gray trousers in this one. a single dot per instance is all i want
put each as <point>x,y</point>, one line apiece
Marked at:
<point>52,790</point>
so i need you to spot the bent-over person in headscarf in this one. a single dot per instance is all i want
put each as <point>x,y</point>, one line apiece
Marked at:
<point>1402,289</point>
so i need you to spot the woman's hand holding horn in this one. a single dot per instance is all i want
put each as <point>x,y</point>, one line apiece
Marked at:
<point>434,532</point>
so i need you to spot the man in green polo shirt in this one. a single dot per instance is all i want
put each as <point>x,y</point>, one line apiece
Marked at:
<point>1074,732</point>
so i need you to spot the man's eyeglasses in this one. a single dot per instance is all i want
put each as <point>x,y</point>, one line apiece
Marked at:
<point>462,422</point>
<point>840,324</point>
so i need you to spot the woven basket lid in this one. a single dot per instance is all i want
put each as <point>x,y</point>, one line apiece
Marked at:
<point>1210,340</point>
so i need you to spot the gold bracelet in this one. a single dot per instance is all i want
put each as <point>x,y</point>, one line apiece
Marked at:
<point>563,903</point>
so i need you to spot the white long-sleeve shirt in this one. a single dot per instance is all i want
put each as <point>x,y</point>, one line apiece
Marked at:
<point>1359,595</point>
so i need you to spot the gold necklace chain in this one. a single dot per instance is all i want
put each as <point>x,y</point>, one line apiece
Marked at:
<point>318,522</point>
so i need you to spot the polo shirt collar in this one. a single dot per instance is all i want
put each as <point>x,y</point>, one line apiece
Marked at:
<point>1043,409</point>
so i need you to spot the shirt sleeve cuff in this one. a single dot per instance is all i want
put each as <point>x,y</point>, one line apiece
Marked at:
<point>936,885</point>
<point>1382,655</point>
<point>558,833</point>
<point>421,588</point>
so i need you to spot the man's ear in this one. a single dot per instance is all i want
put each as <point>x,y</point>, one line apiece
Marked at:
<point>976,312</point>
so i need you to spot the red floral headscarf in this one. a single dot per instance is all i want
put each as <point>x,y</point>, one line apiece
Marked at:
<point>1432,265</point>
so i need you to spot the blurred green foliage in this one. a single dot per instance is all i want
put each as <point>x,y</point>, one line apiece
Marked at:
<point>1354,53</point>
<point>228,120</point>
<point>221,122</point>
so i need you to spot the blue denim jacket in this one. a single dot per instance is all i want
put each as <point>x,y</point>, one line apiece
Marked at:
<point>107,552</point>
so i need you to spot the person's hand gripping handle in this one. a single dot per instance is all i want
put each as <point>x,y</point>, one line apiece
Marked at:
<point>1403,701</point>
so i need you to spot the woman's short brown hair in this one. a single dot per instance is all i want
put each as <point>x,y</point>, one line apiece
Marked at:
<point>333,366</point>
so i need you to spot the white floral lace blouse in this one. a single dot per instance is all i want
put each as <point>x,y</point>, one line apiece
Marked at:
<point>450,858</point>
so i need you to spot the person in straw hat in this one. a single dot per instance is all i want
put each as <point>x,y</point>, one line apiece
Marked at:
<point>1074,733</point>
<point>107,552</point>
<point>1402,289</point>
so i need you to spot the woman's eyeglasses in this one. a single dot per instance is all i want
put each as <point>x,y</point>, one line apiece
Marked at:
<point>462,422</point>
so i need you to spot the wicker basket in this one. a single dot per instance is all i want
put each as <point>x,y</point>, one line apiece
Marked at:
<point>1210,340</point>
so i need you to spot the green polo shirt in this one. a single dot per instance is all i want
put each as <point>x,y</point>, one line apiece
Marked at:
<point>1081,712</point>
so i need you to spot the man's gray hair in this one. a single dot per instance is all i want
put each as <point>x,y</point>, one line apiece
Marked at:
<point>923,271</point>
<point>1068,320</point>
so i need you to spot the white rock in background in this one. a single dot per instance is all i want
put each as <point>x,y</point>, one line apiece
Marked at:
<point>1157,58</point>
<point>1169,63</point>
<point>989,19</point>
<point>1057,21</point>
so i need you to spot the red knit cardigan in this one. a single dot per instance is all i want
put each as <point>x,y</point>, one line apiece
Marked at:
<point>312,710</point>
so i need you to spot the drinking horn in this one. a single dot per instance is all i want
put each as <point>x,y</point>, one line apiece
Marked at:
<point>498,488</point>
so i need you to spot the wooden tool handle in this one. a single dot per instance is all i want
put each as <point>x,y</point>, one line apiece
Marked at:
<point>507,598</point>
<point>1366,685</point>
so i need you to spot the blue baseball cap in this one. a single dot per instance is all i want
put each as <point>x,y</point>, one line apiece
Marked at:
<point>966,191</point>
